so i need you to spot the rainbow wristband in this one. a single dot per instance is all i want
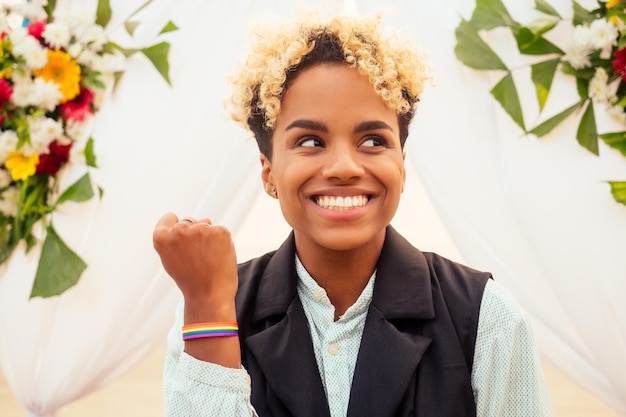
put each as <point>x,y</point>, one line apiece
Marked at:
<point>217,329</point>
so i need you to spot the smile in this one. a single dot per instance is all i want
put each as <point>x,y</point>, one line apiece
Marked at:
<point>341,203</point>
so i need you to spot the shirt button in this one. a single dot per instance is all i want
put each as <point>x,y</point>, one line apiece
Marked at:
<point>333,348</point>
<point>317,295</point>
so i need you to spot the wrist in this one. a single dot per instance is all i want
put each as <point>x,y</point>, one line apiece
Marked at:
<point>206,310</point>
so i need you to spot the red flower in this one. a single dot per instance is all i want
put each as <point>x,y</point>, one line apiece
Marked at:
<point>80,107</point>
<point>619,63</point>
<point>50,163</point>
<point>6,91</point>
<point>36,28</point>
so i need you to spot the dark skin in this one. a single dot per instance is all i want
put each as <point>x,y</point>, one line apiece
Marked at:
<point>338,171</point>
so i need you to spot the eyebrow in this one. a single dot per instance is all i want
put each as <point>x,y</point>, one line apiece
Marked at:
<point>361,127</point>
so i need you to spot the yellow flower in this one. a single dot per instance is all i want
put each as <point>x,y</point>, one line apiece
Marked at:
<point>5,73</point>
<point>62,70</point>
<point>612,3</point>
<point>21,166</point>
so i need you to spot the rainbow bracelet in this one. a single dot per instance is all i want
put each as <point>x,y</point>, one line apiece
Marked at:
<point>217,329</point>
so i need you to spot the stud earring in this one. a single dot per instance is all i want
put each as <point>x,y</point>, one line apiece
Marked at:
<point>273,192</point>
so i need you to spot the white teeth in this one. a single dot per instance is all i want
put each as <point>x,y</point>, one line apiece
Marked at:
<point>342,203</point>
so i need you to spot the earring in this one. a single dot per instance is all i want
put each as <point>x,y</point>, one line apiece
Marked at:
<point>273,192</point>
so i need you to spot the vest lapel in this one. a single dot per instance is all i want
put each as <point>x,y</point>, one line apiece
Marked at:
<point>284,350</point>
<point>390,355</point>
<point>386,363</point>
<point>285,354</point>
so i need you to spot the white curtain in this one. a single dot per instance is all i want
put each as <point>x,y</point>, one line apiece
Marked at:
<point>534,212</point>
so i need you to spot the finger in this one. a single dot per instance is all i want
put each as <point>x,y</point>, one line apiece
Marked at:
<point>167,220</point>
<point>205,220</point>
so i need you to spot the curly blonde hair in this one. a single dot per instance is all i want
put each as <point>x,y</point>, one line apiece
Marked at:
<point>397,70</point>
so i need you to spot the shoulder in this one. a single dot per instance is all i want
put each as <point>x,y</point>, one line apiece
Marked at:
<point>499,312</point>
<point>461,285</point>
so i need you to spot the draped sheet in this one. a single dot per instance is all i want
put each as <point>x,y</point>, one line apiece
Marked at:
<point>536,213</point>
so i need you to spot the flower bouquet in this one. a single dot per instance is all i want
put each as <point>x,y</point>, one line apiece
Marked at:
<point>56,68</point>
<point>595,58</point>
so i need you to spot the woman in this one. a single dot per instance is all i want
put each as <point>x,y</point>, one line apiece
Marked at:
<point>346,317</point>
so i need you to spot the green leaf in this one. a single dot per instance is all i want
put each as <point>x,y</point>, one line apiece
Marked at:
<point>581,15</point>
<point>157,54</point>
<point>616,140</point>
<point>490,14</point>
<point>472,51</point>
<point>541,26</point>
<point>169,27</point>
<point>542,75</point>
<point>587,134</point>
<point>130,27</point>
<point>506,94</point>
<point>59,267</point>
<point>103,13</point>
<point>81,190</point>
<point>125,51</point>
<point>529,43</point>
<point>545,127</point>
<point>143,6</point>
<point>49,8</point>
<point>582,86</point>
<point>90,155</point>
<point>544,7</point>
<point>618,189</point>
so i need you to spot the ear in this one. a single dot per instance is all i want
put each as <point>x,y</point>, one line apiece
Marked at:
<point>266,176</point>
<point>403,170</point>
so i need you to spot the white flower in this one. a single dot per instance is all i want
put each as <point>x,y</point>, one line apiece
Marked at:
<point>78,131</point>
<point>94,37</point>
<point>32,10</point>
<point>75,50</point>
<point>5,178</point>
<point>577,57</point>
<point>581,37</point>
<point>75,17</point>
<point>4,21</point>
<point>57,35</point>
<point>598,88</point>
<point>617,113</point>
<point>31,50</point>
<point>8,144</point>
<point>43,130</point>
<point>87,58</point>
<point>8,202</point>
<point>603,35</point>
<point>46,94</point>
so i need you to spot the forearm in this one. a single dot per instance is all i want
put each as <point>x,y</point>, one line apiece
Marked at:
<point>224,351</point>
<point>197,388</point>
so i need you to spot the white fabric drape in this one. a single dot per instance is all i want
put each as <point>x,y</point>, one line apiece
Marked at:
<point>534,212</point>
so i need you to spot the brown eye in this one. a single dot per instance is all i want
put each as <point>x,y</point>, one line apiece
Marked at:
<point>373,141</point>
<point>310,142</point>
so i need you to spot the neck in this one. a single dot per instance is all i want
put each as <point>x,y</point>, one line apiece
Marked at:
<point>342,274</point>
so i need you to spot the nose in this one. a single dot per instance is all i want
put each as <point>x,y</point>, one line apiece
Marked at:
<point>343,163</point>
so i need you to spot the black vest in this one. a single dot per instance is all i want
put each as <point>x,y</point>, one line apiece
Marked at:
<point>416,353</point>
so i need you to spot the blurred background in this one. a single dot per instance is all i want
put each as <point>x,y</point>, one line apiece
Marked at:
<point>536,213</point>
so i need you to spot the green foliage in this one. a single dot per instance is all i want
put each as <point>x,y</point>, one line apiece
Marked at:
<point>618,190</point>
<point>548,59</point>
<point>59,267</point>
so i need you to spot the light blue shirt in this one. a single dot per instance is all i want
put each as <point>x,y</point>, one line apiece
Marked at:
<point>507,378</point>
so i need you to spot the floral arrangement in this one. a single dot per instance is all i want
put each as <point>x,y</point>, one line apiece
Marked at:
<point>55,71</point>
<point>595,57</point>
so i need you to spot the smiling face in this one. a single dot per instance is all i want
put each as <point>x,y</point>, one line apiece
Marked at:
<point>337,163</point>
